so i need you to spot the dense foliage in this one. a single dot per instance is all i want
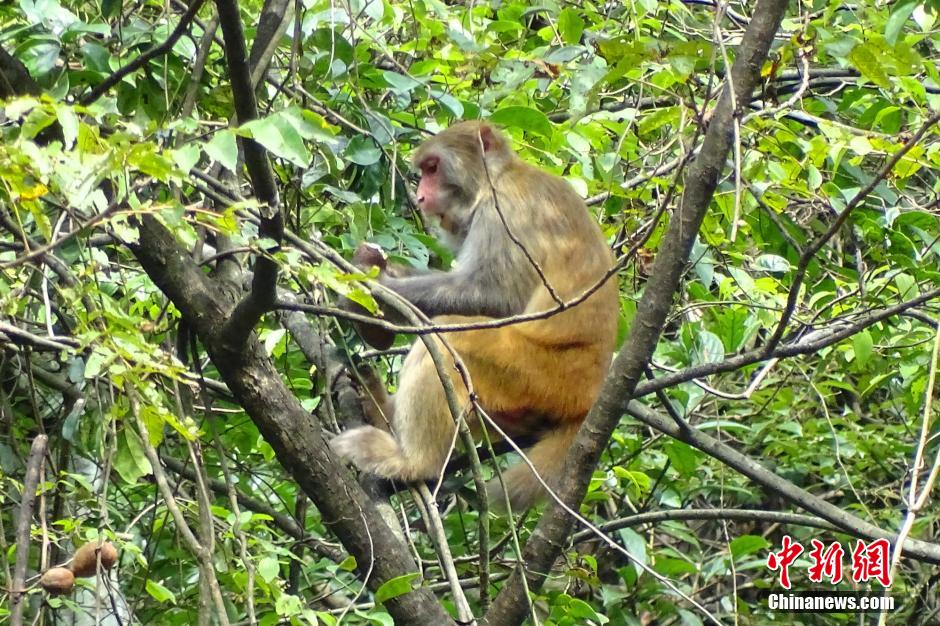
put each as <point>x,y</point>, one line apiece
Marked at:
<point>803,333</point>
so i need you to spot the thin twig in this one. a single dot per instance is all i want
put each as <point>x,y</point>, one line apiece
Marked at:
<point>509,232</point>
<point>916,501</point>
<point>446,559</point>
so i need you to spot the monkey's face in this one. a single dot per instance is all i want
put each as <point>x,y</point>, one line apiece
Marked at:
<point>442,192</point>
<point>457,167</point>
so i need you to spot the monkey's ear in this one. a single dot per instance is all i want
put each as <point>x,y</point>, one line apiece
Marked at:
<point>489,138</point>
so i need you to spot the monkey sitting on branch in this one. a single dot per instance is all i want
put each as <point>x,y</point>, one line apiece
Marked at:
<point>524,243</point>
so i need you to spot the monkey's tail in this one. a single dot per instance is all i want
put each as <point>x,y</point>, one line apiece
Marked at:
<point>521,485</point>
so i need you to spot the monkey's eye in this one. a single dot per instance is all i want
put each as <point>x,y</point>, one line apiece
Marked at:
<point>430,165</point>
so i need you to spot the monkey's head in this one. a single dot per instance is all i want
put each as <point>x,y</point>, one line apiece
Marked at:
<point>457,168</point>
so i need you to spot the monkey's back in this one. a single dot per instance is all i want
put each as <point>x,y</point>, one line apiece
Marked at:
<point>557,363</point>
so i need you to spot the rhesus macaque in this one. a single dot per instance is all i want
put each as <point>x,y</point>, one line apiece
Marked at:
<point>535,378</point>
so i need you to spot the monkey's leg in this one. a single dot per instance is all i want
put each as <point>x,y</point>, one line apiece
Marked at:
<point>422,425</point>
<point>377,405</point>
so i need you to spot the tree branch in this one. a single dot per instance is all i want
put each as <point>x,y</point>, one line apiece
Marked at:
<point>144,58</point>
<point>23,522</point>
<point>812,249</point>
<point>290,430</point>
<point>808,344</point>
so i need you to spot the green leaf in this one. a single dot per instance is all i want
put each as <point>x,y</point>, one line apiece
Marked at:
<point>334,44</point>
<point>288,605</point>
<point>362,151</point>
<point>674,568</point>
<point>866,61</point>
<point>68,121</point>
<point>280,137</point>
<point>130,461</point>
<point>528,119</point>
<point>272,338</point>
<point>747,544</point>
<point>185,157</point>
<point>708,348</point>
<point>328,619</point>
<point>39,54</point>
<point>400,83</point>
<point>772,263</point>
<point>636,546</point>
<point>268,568</point>
<point>689,618</point>
<point>452,104</point>
<point>583,611</point>
<point>110,8</point>
<point>146,158</point>
<point>684,458</point>
<point>899,15</point>
<point>36,121</point>
<point>862,344</point>
<point>223,149</point>
<point>570,25</point>
<point>160,593</point>
<point>395,587</point>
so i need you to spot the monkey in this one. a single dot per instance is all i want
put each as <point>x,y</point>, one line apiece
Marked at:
<point>523,241</point>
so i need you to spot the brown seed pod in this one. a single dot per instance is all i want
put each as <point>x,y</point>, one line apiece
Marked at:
<point>85,561</point>
<point>57,580</point>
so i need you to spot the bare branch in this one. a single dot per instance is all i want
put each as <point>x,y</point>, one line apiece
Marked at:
<point>264,281</point>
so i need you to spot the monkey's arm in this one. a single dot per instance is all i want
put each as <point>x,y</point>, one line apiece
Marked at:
<point>462,292</point>
<point>491,277</point>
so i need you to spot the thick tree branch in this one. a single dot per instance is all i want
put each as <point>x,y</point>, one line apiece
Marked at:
<point>293,433</point>
<point>511,605</point>
<point>23,522</point>
<point>274,19</point>
<point>14,78</point>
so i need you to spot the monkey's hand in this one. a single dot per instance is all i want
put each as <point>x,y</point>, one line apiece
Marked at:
<point>369,255</point>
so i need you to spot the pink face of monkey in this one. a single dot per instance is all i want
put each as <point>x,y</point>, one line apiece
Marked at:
<point>430,188</point>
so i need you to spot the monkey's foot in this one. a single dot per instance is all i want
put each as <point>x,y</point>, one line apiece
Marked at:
<point>371,450</point>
